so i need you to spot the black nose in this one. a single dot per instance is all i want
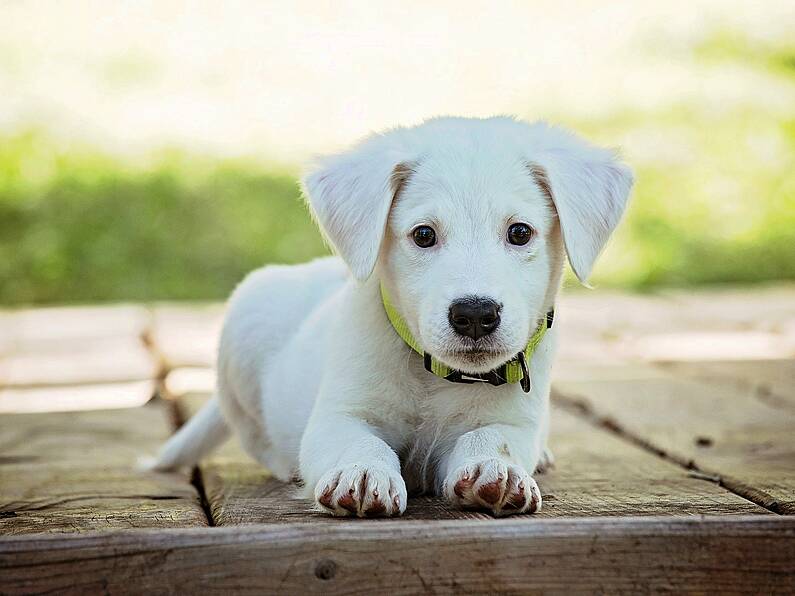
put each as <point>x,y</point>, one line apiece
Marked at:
<point>474,317</point>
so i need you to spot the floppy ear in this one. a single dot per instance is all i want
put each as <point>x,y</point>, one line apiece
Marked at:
<point>350,195</point>
<point>589,187</point>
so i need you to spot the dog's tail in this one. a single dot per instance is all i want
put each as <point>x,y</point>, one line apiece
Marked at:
<point>194,440</point>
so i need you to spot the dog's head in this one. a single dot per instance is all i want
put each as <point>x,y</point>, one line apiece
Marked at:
<point>465,222</point>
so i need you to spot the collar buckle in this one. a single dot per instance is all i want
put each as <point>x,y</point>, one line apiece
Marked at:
<point>525,382</point>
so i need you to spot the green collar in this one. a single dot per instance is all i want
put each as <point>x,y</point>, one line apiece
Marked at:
<point>515,370</point>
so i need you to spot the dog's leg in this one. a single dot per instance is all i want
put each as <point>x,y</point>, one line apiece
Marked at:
<point>248,429</point>
<point>352,471</point>
<point>487,469</point>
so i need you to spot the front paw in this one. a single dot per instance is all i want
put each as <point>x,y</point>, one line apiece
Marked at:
<point>363,490</point>
<point>491,484</point>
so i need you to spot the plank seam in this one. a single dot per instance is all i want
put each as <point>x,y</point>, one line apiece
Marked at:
<point>178,417</point>
<point>581,407</point>
<point>196,479</point>
<point>147,338</point>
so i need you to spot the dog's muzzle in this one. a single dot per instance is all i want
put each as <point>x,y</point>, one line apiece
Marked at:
<point>516,370</point>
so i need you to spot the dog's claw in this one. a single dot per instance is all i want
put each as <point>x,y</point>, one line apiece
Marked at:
<point>495,486</point>
<point>362,499</point>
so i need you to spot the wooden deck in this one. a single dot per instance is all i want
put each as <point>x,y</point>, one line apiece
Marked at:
<point>673,429</point>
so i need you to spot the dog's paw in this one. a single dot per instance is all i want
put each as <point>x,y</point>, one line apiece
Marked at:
<point>363,490</point>
<point>491,484</point>
<point>546,462</point>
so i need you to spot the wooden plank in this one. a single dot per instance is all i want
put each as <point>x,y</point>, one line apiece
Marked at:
<point>695,345</point>
<point>186,335</point>
<point>67,328</point>
<point>606,326</point>
<point>71,346</point>
<point>189,380</point>
<point>593,327</point>
<point>76,397</point>
<point>762,308</point>
<point>75,472</point>
<point>604,555</point>
<point>597,475</point>
<point>96,361</point>
<point>773,381</point>
<point>718,427</point>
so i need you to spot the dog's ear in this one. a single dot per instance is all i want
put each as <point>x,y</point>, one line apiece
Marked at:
<point>589,188</point>
<point>350,195</point>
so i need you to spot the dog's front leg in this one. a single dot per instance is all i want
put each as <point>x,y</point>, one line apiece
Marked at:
<point>488,469</point>
<point>353,471</point>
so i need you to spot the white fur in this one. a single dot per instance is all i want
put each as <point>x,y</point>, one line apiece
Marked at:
<point>314,380</point>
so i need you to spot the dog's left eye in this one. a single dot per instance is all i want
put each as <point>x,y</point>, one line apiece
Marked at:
<point>424,236</point>
<point>520,234</point>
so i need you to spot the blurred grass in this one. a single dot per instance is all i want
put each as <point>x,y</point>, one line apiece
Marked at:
<point>720,208</point>
<point>76,226</point>
<point>714,202</point>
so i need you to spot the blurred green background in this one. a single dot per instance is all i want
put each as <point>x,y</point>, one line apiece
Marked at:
<point>83,220</point>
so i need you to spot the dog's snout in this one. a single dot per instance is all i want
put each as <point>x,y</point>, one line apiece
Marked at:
<point>474,316</point>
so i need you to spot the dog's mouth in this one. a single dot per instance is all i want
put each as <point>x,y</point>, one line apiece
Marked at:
<point>476,359</point>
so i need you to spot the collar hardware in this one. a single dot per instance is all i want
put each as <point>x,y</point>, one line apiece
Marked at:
<point>516,370</point>
<point>526,382</point>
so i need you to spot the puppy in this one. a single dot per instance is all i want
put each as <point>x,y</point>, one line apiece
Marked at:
<point>419,359</point>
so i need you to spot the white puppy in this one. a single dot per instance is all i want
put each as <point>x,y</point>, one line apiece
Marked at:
<point>461,227</point>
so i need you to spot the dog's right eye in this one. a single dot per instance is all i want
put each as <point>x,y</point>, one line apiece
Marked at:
<point>424,236</point>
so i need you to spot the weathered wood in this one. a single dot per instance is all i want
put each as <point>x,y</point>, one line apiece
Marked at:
<point>57,347</point>
<point>101,361</point>
<point>597,475</point>
<point>76,397</point>
<point>74,472</point>
<point>189,380</point>
<point>527,555</point>
<point>763,308</point>
<point>68,328</point>
<point>696,345</point>
<point>773,381</point>
<point>725,430</point>
<point>593,328</point>
<point>186,335</point>
<point>605,326</point>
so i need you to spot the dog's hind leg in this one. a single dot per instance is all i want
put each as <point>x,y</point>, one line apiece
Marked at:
<point>249,429</point>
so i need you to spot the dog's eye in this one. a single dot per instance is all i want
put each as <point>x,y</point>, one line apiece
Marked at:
<point>424,236</point>
<point>520,234</point>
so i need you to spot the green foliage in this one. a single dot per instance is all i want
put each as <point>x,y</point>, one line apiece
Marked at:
<point>721,210</point>
<point>714,202</point>
<point>80,227</point>
<point>714,199</point>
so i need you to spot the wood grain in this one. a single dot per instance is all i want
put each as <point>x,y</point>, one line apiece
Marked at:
<point>597,475</point>
<point>722,428</point>
<point>528,555</point>
<point>74,472</point>
<point>773,381</point>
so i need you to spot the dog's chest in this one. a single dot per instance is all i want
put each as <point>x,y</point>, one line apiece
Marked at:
<point>431,427</point>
